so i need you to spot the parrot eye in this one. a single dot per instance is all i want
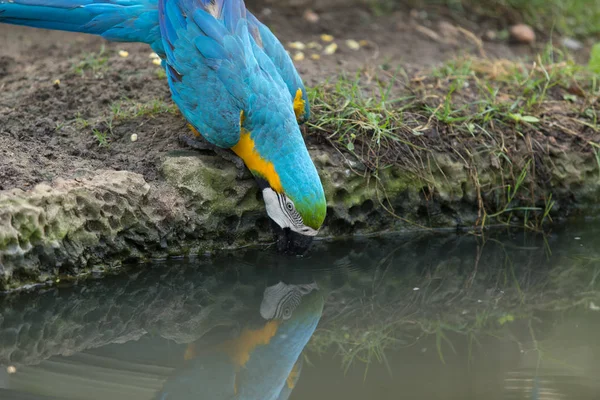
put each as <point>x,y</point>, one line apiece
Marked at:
<point>290,206</point>
<point>287,312</point>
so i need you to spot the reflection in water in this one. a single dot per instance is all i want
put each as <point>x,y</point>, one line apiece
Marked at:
<point>261,361</point>
<point>432,317</point>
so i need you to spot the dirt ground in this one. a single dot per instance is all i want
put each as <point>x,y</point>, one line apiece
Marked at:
<point>50,130</point>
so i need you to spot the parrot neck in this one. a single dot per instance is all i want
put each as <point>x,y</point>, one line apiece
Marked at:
<point>240,348</point>
<point>246,150</point>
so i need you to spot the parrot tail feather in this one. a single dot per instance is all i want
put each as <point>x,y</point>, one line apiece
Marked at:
<point>115,20</point>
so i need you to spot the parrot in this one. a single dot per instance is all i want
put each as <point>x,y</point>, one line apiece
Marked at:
<point>263,361</point>
<point>233,82</point>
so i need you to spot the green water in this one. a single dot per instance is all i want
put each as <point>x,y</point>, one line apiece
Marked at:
<point>509,316</point>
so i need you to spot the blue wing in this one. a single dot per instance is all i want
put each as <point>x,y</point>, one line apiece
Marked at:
<point>284,65</point>
<point>211,66</point>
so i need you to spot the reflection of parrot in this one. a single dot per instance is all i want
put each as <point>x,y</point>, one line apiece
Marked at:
<point>262,362</point>
<point>230,77</point>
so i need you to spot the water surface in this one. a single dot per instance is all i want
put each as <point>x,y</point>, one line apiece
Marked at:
<point>509,316</point>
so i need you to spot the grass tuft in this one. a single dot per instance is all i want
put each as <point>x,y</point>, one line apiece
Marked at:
<point>507,116</point>
<point>95,62</point>
<point>128,109</point>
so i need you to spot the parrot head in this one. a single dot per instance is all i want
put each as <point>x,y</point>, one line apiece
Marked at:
<point>273,149</point>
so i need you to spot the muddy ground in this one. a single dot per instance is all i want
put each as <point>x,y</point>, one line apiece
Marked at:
<point>47,130</point>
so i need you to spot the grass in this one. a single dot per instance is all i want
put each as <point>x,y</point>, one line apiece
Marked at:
<point>94,62</point>
<point>102,128</point>
<point>491,115</point>
<point>575,18</point>
<point>128,109</point>
<point>101,137</point>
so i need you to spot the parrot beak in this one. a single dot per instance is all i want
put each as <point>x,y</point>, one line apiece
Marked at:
<point>290,242</point>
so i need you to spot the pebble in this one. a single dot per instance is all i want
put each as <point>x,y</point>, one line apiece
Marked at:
<point>156,61</point>
<point>522,33</point>
<point>353,44</point>
<point>11,369</point>
<point>134,137</point>
<point>56,83</point>
<point>330,49</point>
<point>153,55</point>
<point>326,38</point>
<point>123,53</point>
<point>311,16</point>
<point>490,35</point>
<point>299,56</point>
<point>315,56</point>
<point>297,45</point>
<point>572,44</point>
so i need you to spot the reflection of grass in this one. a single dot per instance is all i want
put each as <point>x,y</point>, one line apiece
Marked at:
<point>497,117</point>
<point>363,346</point>
<point>365,320</point>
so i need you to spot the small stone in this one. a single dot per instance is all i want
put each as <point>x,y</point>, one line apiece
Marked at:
<point>11,369</point>
<point>594,307</point>
<point>311,16</point>
<point>56,83</point>
<point>326,38</point>
<point>314,45</point>
<point>353,44</point>
<point>299,56</point>
<point>490,35</point>
<point>572,44</point>
<point>123,53</point>
<point>134,137</point>
<point>522,33</point>
<point>156,61</point>
<point>297,45</point>
<point>315,56</point>
<point>416,289</point>
<point>153,55</point>
<point>330,49</point>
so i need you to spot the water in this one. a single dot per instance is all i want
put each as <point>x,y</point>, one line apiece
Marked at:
<point>515,316</point>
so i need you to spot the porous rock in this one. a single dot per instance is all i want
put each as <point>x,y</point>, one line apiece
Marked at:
<point>98,220</point>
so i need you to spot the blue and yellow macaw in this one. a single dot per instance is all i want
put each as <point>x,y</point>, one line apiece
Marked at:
<point>232,80</point>
<point>263,362</point>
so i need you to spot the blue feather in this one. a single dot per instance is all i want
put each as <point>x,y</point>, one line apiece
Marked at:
<point>210,48</point>
<point>116,20</point>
